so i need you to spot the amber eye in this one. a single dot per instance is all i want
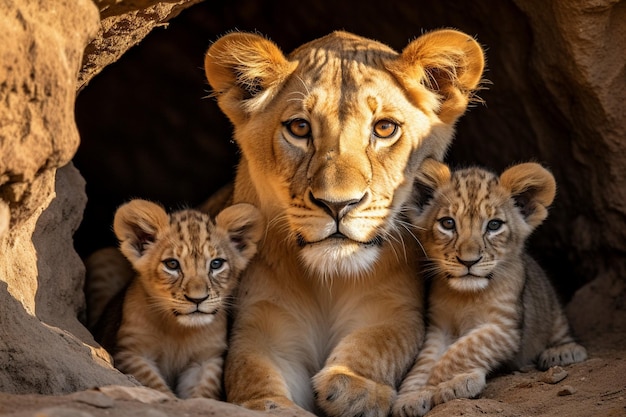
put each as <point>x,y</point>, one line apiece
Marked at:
<point>494,225</point>
<point>217,263</point>
<point>385,129</point>
<point>299,128</point>
<point>171,264</point>
<point>447,223</point>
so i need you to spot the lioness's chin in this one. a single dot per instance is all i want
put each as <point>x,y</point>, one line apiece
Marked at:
<point>339,257</point>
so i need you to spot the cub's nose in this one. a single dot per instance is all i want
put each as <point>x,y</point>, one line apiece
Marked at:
<point>196,300</point>
<point>468,262</point>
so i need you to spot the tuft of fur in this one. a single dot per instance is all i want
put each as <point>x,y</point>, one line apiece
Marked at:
<point>167,327</point>
<point>331,137</point>
<point>490,304</point>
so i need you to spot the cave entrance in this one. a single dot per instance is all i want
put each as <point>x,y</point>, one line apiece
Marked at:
<point>148,129</point>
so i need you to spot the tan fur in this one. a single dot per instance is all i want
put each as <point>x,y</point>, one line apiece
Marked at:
<point>171,335</point>
<point>5,218</point>
<point>107,273</point>
<point>490,303</point>
<point>331,304</point>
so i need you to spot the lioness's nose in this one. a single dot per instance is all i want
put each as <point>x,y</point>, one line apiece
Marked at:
<point>336,209</point>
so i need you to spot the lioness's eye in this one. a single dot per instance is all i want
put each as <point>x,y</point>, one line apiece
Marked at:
<point>171,264</point>
<point>494,225</point>
<point>447,223</point>
<point>385,129</point>
<point>299,128</point>
<point>217,263</point>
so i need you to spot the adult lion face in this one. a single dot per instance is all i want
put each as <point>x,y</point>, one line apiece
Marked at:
<point>333,134</point>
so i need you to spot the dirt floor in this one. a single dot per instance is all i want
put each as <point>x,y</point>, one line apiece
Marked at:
<point>596,387</point>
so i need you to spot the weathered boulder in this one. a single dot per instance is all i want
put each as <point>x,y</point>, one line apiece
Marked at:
<point>44,348</point>
<point>124,24</point>
<point>578,54</point>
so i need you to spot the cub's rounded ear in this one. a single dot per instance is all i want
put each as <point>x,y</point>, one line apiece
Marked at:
<point>431,176</point>
<point>532,188</point>
<point>433,173</point>
<point>447,62</point>
<point>243,70</point>
<point>137,225</point>
<point>244,225</point>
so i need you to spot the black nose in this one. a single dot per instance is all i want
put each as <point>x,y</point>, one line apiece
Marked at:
<point>468,263</point>
<point>336,209</point>
<point>196,300</point>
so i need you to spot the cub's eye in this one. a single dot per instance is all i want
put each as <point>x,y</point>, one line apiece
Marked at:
<point>447,223</point>
<point>171,264</point>
<point>494,225</point>
<point>217,264</point>
<point>384,129</point>
<point>298,128</point>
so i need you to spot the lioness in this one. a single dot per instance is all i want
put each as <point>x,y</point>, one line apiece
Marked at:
<point>330,313</point>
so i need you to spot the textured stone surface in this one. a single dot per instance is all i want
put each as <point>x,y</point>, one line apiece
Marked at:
<point>578,54</point>
<point>124,24</point>
<point>44,347</point>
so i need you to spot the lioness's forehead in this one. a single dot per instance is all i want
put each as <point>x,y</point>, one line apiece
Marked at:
<point>341,57</point>
<point>340,73</point>
<point>343,46</point>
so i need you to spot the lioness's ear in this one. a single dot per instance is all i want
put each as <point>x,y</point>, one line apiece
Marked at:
<point>243,70</point>
<point>137,225</point>
<point>447,62</point>
<point>432,175</point>
<point>533,188</point>
<point>244,225</point>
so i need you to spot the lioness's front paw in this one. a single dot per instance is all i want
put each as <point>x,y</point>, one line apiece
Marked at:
<point>413,404</point>
<point>468,385</point>
<point>340,392</point>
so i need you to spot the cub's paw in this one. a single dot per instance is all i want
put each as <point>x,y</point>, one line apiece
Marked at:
<point>340,392</point>
<point>561,355</point>
<point>412,404</point>
<point>468,385</point>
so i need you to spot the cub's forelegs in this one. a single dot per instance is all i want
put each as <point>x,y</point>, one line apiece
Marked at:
<point>461,371</point>
<point>202,379</point>
<point>414,399</point>
<point>143,369</point>
<point>562,349</point>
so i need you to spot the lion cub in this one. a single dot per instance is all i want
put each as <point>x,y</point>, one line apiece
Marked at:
<point>490,304</point>
<point>171,333</point>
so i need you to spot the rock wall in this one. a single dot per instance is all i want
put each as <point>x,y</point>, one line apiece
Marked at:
<point>44,348</point>
<point>557,85</point>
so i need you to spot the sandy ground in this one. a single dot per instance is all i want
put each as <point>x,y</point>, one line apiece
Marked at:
<point>596,387</point>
